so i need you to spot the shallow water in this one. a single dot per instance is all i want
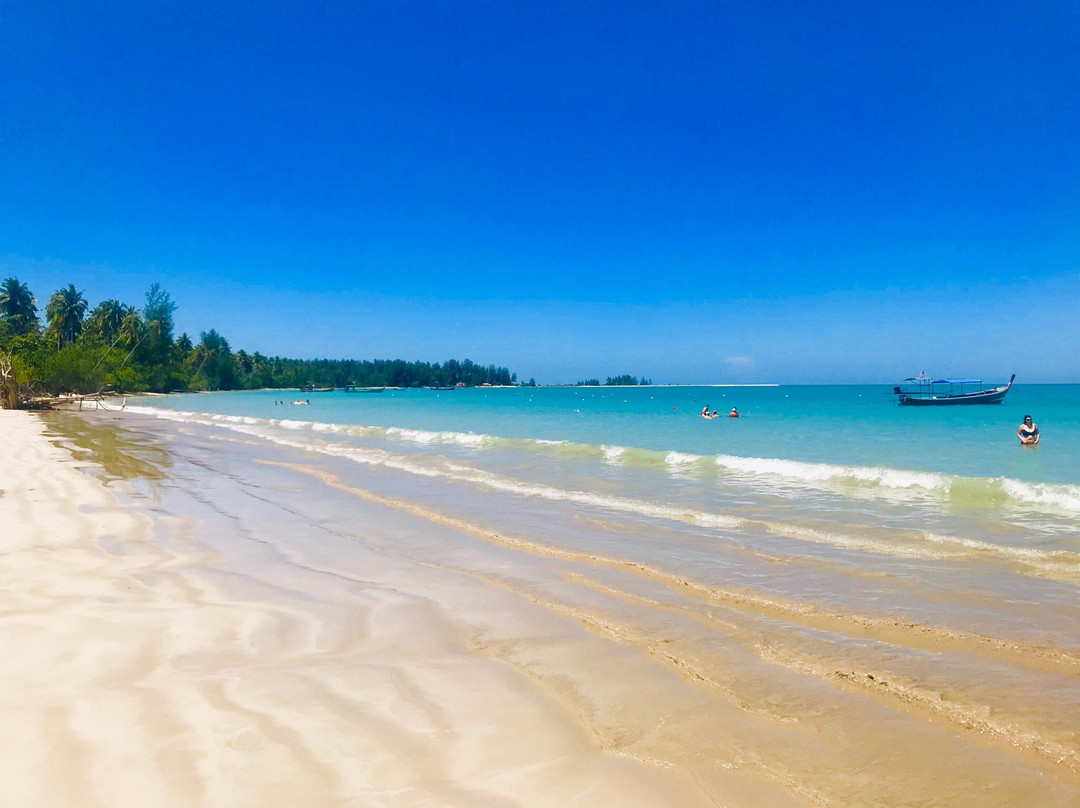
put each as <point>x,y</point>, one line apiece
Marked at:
<point>826,569</point>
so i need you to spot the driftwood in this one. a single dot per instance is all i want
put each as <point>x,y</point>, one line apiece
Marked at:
<point>9,384</point>
<point>84,401</point>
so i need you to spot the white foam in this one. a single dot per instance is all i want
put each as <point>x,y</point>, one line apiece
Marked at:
<point>819,472</point>
<point>681,458</point>
<point>421,436</point>
<point>863,480</point>
<point>612,454</point>
<point>1061,564</point>
<point>1059,495</point>
<point>623,504</point>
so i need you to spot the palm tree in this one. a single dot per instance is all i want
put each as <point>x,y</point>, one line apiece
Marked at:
<point>107,318</point>
<point>213,354</point>
<point>132,332</point>
<point>66,311</point>
<point>132,329</point>
<point>18,306</point>
<point>213,341</point>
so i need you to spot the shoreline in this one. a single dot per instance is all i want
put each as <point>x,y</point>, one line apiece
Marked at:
<point>158,660</point>
<point>200,617</point>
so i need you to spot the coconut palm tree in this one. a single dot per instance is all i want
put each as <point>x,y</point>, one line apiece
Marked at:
<point>132,332</point>
<point>215,360</point>
<point>107,318</point>
<point>66,312</point>
<point>18,307</point>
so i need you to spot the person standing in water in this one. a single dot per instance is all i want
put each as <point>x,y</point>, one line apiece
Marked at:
<point>1028,432</point>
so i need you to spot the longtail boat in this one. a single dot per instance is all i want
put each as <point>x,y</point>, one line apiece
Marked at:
<point>922,391</point>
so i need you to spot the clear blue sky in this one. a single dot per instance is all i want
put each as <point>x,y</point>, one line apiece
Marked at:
<point>694,192</point>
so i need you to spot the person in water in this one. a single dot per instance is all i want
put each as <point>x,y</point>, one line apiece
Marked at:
<point>1028,432</point>
<point>705,412</point>
<point>733,414</point>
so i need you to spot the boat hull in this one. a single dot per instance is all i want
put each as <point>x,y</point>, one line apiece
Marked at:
<point>915,400</point>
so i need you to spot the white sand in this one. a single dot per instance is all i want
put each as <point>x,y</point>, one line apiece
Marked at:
<point>129,678</point>
<point>234,623</point>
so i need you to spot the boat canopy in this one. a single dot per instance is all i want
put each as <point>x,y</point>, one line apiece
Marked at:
<point>957,381</point>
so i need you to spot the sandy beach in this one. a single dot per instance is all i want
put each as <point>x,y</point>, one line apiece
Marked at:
<point>198,619</point>
<point>147,663</point>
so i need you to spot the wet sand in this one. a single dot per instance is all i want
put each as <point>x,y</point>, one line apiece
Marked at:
<point>192,618</point>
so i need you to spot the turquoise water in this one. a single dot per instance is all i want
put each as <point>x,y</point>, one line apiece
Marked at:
<point>835,466</point>
<point>854,426</point>
<point>831,468</point>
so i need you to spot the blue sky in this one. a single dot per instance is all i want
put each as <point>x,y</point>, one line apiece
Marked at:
<point>694,192</point>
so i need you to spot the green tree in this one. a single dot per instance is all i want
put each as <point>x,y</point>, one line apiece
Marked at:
<point>73,368</point>
<point>132,330</point>
<point>215,361</point>
<point>66,311</point>
<point>183,345</point>
<point>18,309</point>
<point>106,319</point>
<point>158,316</point>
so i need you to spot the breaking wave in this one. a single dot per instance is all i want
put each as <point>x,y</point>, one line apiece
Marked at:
<point>859,481</point>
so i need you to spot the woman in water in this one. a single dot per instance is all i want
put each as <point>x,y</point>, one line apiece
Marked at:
<point>1028,432</point>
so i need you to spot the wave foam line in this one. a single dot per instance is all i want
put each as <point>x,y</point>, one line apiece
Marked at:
<point>885,629</point>
<point>1060,565</point>
<point>958,489</point>
<point>1056,564</point>
<point>871,480</point>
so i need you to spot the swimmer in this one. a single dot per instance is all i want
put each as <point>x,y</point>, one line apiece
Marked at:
<point>733,414</point>
<point>1028,432</point>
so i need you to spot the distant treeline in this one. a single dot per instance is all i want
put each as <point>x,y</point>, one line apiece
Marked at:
<point>277,372</point>
<point>118,347</point>
<point>615,380</point>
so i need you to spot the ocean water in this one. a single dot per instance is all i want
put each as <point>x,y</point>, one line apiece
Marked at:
<point>828,563</point>
<point>836,472</point>
<point>854,436</point>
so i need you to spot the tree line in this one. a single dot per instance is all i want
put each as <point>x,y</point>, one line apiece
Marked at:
<point>625,380</point>
<point>121,348</point>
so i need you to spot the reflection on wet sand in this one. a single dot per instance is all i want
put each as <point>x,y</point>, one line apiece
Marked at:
<point>107,448</point>
<point>358,633</point>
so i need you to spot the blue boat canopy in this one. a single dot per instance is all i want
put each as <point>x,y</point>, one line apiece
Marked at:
<point>956,381</point>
